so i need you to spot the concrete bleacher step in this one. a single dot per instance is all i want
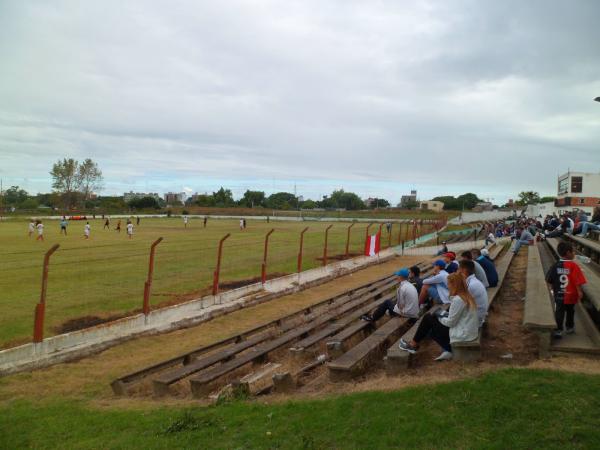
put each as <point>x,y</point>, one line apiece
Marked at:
<point>122,384</point>
<point>355,361</point>
<point>581,341</point>
<point>200,383</point>
<point>587,337</point>
<point>538,315</point>
<point>396,360</point>
<point>341,323</point>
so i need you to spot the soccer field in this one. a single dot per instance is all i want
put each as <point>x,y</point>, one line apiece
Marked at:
<point>104,276</point>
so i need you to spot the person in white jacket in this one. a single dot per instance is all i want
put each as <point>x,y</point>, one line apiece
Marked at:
<point>406,304</point>
<point>459,324</point>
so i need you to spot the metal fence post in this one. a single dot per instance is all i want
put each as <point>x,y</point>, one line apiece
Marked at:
<point>301,249</point>
<point>263,275</point>
<point>348,240</point>
<point>215,290</point>
<point>325,246</point>
<point>390,235</point>
<point>40,308</point>
<point>148,283</point>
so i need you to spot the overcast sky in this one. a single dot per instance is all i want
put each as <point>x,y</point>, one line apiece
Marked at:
<point>377,97</point>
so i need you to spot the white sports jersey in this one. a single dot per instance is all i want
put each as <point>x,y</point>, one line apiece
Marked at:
<point>129,228</point>
<point>40,228</point>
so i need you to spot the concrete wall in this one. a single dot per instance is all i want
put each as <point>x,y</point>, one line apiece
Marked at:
<point>80,343</point>
<point>470,216</point>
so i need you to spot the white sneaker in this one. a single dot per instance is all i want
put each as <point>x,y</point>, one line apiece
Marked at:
<point>445,356</point>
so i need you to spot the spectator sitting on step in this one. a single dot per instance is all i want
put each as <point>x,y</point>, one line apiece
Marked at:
<point>488,266</point>
<point>451,263</point>
<point>415,278</point>
<point>476,289</point>
<point>593,224</point>
<point>406,304</point>
<point>479,272</point>
<point>435,286</point>
<point>524,238</point>
<point>459,324</point>
<point>490,239</point>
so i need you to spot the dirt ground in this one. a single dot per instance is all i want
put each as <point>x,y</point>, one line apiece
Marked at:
<point>505,344</point>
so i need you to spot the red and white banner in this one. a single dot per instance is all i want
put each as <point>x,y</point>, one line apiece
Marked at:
<point>373,245</point>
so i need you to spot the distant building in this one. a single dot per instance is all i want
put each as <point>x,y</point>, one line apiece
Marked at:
<point>432,205</point>
<point>578,190</point>
<point>128,196</point>
<point>510,203</point>
<point>175,198</point>
<point>406,200</point>
<point>483,206</point>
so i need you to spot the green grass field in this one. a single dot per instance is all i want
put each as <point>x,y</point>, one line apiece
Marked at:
<point>511,408</point>
<point>104,276</point>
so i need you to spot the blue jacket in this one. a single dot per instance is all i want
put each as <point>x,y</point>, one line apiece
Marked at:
<point>490,270</point>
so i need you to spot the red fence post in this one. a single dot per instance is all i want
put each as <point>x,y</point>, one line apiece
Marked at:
<point>367,231</point>
<point>300,251</point>
<point>218,268</point>
<point>148,283</point>
<point>348,240</point>
<point>325,246</point>
<point>263,274</point>
<point>400,233</point>
<point>40,308</point>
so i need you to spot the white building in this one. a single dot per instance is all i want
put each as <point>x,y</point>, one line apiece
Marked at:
<point>578,190</point>
<point>432,205</point>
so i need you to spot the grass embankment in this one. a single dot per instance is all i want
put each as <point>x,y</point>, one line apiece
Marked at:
<point>512,408</point>
<point>104,276</point>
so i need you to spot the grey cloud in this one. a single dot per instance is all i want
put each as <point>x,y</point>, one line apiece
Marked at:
<point>456,93</point>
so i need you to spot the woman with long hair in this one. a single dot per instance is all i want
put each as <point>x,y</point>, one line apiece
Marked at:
<point>459,324</point>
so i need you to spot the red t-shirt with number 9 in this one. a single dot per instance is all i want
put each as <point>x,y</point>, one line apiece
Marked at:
<point>565,276</point>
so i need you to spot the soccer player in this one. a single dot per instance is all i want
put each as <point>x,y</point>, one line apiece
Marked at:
<point>241,224</point>
<point>565,279</point>
<point>63,226</point>
<point>106,224</point>
<point>31,227</point>
<point>118,226</point>
<point>185,221</point>
<point>129,229</point>
<point>40,229</point>
<point>86,231</point>
<point>137,220</point>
